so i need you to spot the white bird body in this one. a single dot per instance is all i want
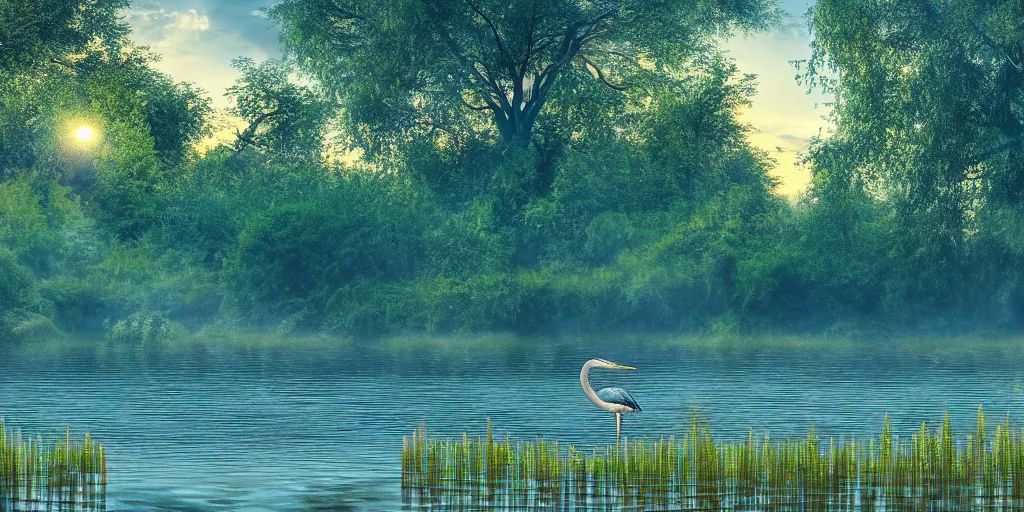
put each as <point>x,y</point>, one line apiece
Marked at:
<point>616,400</point>
<point>617,408</point>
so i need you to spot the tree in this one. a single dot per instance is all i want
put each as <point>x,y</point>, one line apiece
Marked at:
<point>425,64</point>
<point>126,87</point>
<point>693,134</point>
<point>284,118</point>
<point>39,32</point>
<point>930,119</point>
<point>935,84</point>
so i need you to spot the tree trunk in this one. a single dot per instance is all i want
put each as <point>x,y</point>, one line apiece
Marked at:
<point>516,129</point>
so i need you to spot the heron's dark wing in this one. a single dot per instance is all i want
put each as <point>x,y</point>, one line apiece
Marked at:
<point>619,396</point>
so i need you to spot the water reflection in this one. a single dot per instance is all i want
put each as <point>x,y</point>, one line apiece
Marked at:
<point>595,499</point>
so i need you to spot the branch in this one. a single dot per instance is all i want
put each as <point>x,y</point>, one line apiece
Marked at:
<point>54,60</point>
<point>497,38</point>
<point>250,131</point>
<point>600,74</point>
<point>995,46</point>
<point>568,49</point>
<point>341,13</point>
<point>247,140</point>
<point>489,106</point>
<point>435,126</point>
<point>529,46</point>
<point>1002,148</point>
<point>991,43</point>
<point>495,89</point>
<point>590,36</point>
<point>471,64</point>
<point>541,43</point>
<point>604,16</point>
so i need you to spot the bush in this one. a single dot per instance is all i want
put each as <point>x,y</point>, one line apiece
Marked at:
<point>145,329</point>
<point>21,325</point>
<point>293,258</point>
<point>22,309</point>
<point>467,244</point>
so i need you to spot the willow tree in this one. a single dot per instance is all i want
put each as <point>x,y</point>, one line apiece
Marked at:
<point>401,64</point>
<point>935,84</point>
<point>930,123</point>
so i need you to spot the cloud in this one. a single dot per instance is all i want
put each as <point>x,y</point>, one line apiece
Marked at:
<point>159,24</point>
<point>172,33</point>
<point>191,20</point>
<point>198,38</point>
<point>796,142</point>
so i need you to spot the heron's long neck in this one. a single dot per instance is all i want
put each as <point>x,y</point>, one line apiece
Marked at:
<point>585,382</point>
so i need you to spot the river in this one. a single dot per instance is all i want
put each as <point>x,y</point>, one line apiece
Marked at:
<point>319,426</point>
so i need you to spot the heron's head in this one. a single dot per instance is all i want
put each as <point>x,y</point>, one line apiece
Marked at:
<point>601,363</point>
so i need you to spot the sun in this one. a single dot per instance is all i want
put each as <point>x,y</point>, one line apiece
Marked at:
<point>84,133</point>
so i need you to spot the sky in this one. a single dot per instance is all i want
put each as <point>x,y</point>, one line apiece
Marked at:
<point>199,38</point>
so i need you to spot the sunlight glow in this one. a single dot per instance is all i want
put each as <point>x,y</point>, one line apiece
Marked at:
<point>84,133</point>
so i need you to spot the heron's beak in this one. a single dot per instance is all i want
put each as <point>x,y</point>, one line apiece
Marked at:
<point>621,367</point>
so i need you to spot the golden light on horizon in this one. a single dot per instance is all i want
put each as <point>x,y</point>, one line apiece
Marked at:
<point>84,133</point>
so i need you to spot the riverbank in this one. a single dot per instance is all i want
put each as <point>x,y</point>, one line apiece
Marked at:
<point>993,344</point>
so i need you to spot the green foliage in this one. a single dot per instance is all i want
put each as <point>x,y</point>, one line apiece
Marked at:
<point>292,258</point>
<point>18,288</point>
<point>24,227</point>
<point>146,277</point>
<point>22,308</point>
<point>47,32</point>
<point>125,89</point>
<point>129,179</point>
<point>285,120</point>
<point>930,132</point>
<point>36,109</point>
<point>144,329</point>
<point>417,65</point>
<point>692,133</point>
<point>527,166</point>
<point>467,243</point>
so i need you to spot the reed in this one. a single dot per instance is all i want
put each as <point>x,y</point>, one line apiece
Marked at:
<point>67,474</point>
<point>932,470</point>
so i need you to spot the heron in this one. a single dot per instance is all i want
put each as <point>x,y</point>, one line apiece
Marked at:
<point>616,400</point>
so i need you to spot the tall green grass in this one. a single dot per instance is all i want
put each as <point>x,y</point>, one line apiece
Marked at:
<point>66,475</point>
<point>932,470</point>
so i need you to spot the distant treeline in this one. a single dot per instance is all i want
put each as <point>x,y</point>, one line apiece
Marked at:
<point>511,166</point>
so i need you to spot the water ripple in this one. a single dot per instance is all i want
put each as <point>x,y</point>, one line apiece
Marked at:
<point>219,429</point>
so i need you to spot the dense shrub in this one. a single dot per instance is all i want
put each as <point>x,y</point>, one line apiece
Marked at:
<point>144,329</point>
<point>291,259</point>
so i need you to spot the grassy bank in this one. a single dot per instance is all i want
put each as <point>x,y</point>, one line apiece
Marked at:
<point>934,469</point>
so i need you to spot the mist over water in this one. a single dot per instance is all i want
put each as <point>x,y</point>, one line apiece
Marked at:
<point>321,429</point>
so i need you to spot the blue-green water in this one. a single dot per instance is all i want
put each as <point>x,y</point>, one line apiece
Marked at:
<point>317,428</point>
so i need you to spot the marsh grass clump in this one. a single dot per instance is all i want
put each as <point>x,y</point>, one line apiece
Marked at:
<point>66,475</point>
<point>932,470</point>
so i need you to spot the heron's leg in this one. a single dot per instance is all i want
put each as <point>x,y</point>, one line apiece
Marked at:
<point>618,427</point>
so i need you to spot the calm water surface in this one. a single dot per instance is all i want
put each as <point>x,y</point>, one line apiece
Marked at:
<point>321,429</point>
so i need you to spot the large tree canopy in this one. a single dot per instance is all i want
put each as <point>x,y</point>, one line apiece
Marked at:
<point>929,88</point>
<point>929,123</point>
<point>423,63</point>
